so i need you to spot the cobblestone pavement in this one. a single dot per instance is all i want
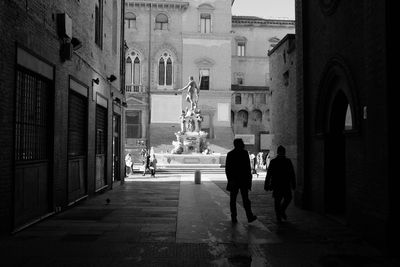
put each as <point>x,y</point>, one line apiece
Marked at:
<point>170,221</point>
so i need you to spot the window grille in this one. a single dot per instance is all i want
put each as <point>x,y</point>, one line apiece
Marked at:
<point>32,117</point>
<point>101,130</point>
<point>77,124</point>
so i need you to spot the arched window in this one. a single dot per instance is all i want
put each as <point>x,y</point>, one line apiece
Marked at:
<point>161,22</point>
<point>243,118</point>
<point>130,21</point>
<point>238,99</point>
<point>165,70</point>
<point>128,71</point>
<point>205,23</point>
<point>133,69</point>
<point>257,116</point>
<point>136,71</point>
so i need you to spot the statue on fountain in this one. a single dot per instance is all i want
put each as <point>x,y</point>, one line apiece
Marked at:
<point>190,139</point>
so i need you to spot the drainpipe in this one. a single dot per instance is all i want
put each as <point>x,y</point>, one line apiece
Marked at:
<point>149,84</point>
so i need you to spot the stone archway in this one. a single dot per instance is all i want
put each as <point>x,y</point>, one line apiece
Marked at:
<point>336,115</point>
<point>335,158</point>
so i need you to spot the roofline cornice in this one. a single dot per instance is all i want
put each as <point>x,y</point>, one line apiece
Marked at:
<point>157,4</point>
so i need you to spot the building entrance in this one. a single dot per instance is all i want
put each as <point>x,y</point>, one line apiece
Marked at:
<point>335,158</point>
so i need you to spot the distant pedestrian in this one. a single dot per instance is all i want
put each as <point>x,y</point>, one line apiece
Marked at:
<point>146,162</point>
<point>153,165</point>
<point>238,173</point>
<point>128,164</point>
<point>253,162</point>
<point>281,180</point>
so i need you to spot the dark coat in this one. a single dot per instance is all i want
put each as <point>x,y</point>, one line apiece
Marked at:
<point>280,176</point>
<point>238,169</point>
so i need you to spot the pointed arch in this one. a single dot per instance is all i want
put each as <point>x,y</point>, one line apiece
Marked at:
<point>133,67</point>
<point>336,79</point>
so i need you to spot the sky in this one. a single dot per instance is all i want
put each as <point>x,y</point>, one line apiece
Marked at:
<point>264,8</point>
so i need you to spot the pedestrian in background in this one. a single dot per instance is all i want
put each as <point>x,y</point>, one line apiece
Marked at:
<point>129,164</point>
<point>238,173</point>
<point>146,161</point>
<point>281,180</point>
<point>153,165</point>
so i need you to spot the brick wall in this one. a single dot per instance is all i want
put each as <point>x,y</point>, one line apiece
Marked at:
<point>354,34</point>
<point>33,26</point>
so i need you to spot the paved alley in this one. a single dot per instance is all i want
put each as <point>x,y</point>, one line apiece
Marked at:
<point>171,221</point>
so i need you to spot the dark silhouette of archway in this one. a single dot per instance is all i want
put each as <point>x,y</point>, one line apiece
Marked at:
<point>335,157</point>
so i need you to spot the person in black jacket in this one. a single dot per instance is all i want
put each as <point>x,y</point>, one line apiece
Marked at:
<point>238,173</point>
<point>281,180</point>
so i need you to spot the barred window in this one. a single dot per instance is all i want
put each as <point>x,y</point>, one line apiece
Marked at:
<point>31,121</point>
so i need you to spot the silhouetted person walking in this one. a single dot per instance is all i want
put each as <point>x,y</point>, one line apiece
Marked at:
<point>281,180</point>
<point>238,173</point>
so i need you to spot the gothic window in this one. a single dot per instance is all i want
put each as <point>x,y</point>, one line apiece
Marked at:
<point>205,23</point>
<point>130,21</point>
<point>165,70</point>
<point>128,71</point>
<point>161,22</point>
<point>132,69</point>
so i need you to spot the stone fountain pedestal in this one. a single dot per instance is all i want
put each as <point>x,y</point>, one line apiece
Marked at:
<point>190,139</point>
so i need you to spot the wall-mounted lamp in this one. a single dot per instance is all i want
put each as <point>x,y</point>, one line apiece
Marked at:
<point>124,104</point>
<point>76,43</point>
<point>111,78</point>
<point>96,81</point>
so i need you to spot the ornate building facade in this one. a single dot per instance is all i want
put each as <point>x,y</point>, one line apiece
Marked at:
<point>168,41</point>
<point>61,109</point>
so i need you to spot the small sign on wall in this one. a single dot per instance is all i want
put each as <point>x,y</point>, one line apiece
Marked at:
<point>248,139</point>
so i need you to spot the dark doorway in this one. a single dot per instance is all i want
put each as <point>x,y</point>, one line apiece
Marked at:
<point>335,158</point>
<point>33,146</point>
<point>116,147</point>
<point>101,147</point>
<point>77,146</point>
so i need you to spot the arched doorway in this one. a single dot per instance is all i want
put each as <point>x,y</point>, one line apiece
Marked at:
<point>335,157</point>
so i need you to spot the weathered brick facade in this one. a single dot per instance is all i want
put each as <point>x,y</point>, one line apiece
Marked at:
<point>29,34</point>
<point>342,59</point>
<point>282,60</point>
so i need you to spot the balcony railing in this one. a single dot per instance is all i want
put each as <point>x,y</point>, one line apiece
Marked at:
<point>134,88</point>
